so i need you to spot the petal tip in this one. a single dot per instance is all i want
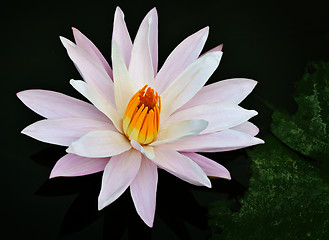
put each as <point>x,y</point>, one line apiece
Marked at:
<point>249,83</point>
<point>55,172</point>
<point>118,9</point>
<point>21,95</point>
<point>100,205</point>
<point>73,82</point>
<point>118,13</point>
<point>253,83</point>
<point>76,33</point>
<point>148,218</point>
<point>18,94</point>
<point>62,38</point>
<point>52,175</point>
<point>253,113</point>
<point>204,32</point>
<point>26,131</point>
<point>149,223</point>
<point>207,183</point>
<point>25,94</point>
<point>66,43</point>
<point>228,176</point>
<point>153,11</point>
<point>216,55</point>
<point>259,141</point>
<point>101,202</point>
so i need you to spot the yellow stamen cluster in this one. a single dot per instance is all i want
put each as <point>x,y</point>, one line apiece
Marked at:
<point>142,117</point>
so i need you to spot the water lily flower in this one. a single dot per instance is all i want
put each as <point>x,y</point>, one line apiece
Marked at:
<point>141,119</point>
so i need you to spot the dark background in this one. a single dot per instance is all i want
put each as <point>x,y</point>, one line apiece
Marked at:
<point>269,41</point>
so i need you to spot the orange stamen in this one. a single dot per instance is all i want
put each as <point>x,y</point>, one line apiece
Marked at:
<point>142,116</point>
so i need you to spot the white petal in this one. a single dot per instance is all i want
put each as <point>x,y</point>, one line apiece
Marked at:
<point>51,104</point>
<point>143,191</point>
<point>188,83</point>
<point>118,175</point>
<point>180,166</point>
<point>122,85</point>
<point>92,72</point>
<point>64,131</point>
<point>210,167</point>
<point>180,131</point>
<point>153,36</point>
<point>231,91</point>
<point>121,35</point>
<point>98,144</point>
<point>180,58</point>
<point>146,150</point>
<point>225,140</point>
<point>141,65</point>
<point>219,116</point>
<point>72,165</point>
<point>99,102</point>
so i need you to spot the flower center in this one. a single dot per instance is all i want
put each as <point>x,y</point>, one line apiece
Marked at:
<point>142,116</point>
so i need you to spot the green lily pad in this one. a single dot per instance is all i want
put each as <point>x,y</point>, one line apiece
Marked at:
<point>307,130</point>
<point>287,199</point>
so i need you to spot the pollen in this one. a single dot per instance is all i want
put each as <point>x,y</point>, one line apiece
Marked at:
<point>142,116</point>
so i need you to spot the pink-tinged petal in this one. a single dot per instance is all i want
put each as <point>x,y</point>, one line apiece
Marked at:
<point>248,128</point>
<point>215,49</point>
<point>141,63</point>
<point>121,35</point>
<point>118,175</point>
<point>180,131</point>
<point>143,190</point>
<point>227,91</point>
<point>83,42</point>
<point>188,83</point>
<point>123,87</point>
<point>215,142</point>
<point>99,102</point>
<point>64,131</point>
<point>51,104</point>
<point>180,58</point>
<point>72,165</point>
<point>180,166</point>
<point>98,144</point>
<point>219,116</point>
<point>210,167</point>
<point>92,71</point>
<point>146,150</point>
